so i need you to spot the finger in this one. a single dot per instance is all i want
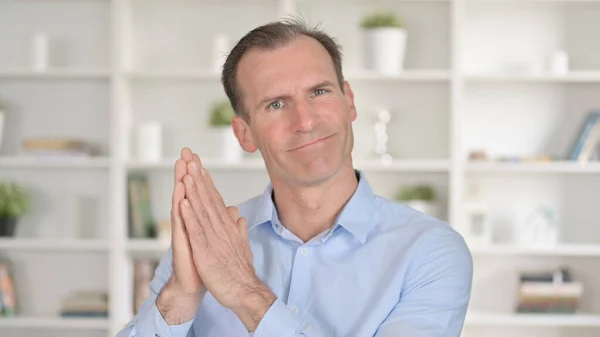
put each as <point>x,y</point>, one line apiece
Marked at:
<point>180,170</point>
<point>197,198</point>
<point>233,212</point>
<point>196,233</point>
<point>181,164</point>
<point>198,191</point>
<point>186,154</point>
<point>179,239</point>
<point>178,195</point>
<point>196,159</point>
<point>213,194</point>
<point>243,227</point>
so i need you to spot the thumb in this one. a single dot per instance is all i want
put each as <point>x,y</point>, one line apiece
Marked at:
<point>243,227</point>
<point>233,212</point>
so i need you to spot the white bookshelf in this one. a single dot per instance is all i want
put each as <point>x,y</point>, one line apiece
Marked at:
<point>49,245</point>
<point>532,320</point>
<point>123,62</point>
<point>55,323</point>
<point>562,250</point>
<point>75,74</point>
<point>27,162</point>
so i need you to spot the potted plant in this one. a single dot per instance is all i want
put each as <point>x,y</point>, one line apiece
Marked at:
<point>220,120</point>
<point>384,40</point>
<point>420,197</point>
<point>14,203</point>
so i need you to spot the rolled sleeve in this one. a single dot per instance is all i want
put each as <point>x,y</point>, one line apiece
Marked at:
<point>280,321</point>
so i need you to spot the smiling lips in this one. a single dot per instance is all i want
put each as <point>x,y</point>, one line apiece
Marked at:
<point>316,141</point>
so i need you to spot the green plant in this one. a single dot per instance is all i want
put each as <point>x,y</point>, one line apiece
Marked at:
<point>418,192</point>
<point>380,19</point>
<point>14,200</point>
<point>222,113</point>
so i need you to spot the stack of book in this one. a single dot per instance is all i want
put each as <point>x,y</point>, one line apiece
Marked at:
<point>85,304</point>
<point>552,292</point>
<point>56,147</point>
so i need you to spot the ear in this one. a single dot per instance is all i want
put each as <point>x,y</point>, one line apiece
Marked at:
<point>349,95</point>
<point>243,134</point>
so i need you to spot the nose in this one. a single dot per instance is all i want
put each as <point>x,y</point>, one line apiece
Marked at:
<point>304,117</point>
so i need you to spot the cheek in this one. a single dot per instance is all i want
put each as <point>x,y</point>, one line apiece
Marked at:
<point>271,135</point>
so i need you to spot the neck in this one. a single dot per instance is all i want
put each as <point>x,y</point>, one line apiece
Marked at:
<point>309,210</point>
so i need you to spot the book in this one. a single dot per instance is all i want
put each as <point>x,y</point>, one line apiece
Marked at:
<point>141,221</point>
<point>587,138</point>
<point>8,297</point>
<point>85,304</point>
<point>143,274</point>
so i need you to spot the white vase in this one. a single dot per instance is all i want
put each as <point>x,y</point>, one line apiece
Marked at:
<point>39,49</point>
<point>479,229</point>
<point>220,51</point>
<point>150,141</point>
<point>384,49</point>
<point>231,151</point>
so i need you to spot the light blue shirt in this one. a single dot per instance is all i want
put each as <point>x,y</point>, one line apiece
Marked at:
<point>382,270</point>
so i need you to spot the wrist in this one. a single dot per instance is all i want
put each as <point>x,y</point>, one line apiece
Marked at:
<point>253,304</point>
<point>175,306</point>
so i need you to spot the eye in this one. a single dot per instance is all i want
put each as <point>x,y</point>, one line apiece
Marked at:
<point>320,92</point>
<point>276,105</point>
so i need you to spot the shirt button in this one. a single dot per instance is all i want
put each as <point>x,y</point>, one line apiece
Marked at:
<point>304,251</point>
<point>295,309</point>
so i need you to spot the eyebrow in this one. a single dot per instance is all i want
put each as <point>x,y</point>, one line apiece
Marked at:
<point>321,84</point>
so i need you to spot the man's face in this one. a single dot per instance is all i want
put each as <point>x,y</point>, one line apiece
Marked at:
<point>300,119</point>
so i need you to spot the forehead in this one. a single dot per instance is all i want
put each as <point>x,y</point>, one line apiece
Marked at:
<point>295,65</point>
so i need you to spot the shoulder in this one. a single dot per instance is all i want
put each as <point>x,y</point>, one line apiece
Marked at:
<point>422,235</point>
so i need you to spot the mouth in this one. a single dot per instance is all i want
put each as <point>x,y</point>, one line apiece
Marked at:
<point>316,141</point>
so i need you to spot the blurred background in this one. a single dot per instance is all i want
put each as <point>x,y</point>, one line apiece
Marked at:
<point>482,113</point>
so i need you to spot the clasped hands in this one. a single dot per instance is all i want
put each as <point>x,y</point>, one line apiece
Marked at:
<point>211,249</point>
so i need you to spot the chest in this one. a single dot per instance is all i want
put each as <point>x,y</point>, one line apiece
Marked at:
<point>340,292</point>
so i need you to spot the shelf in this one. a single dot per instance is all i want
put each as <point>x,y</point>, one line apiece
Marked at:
<point>571,167</point>
<point>54,162</point>
<point>146,247</point>
<point>407,75</point>
<point>533,320</point>
<point>215,75</point>
<point>582,250</point>
<point>426,165</point>
<point>55,73</point>
<point>209,163</point>
<point>54,323</point>
<point>31,244</point>
<point>408,165</point>
<point>176,74</point>
<point>573,77</point>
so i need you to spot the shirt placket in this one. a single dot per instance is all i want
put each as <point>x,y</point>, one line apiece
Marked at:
<point>300,279</point>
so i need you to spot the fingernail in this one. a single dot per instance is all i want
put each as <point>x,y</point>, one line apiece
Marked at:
<point>195,166</point>
<point>186,203</point>
<point>189,181</point>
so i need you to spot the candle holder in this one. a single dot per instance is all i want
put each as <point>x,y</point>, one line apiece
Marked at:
<point>381,137</point>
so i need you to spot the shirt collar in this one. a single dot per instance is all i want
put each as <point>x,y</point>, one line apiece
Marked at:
<point>356,216</point>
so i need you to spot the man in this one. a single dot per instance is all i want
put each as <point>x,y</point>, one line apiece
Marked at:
<point>318,253</point>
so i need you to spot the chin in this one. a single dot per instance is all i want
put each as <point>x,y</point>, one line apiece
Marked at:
<point>317,170</point>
